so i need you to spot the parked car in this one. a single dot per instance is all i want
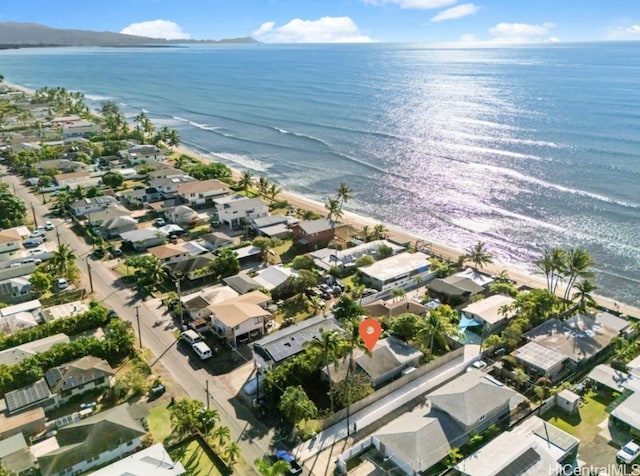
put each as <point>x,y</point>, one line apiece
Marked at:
<point>36,251</point>
<point>32,243</point>
<point>116,252</point>
<point>38,233</point>
<point>156,391</point>
<point>48,226</point>
<point>628,453</point>
<point>160,222</point>
<point>62,283</point>
<point>477,365</point>
<point>294,466</point>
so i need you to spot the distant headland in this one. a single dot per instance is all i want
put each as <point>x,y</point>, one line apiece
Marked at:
<point>32,35</point>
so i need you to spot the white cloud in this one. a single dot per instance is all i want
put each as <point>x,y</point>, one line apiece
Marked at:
<point>324,30</point>
<point>468,38</point>
<point>414,4</point>
<point>458,11</point>
<point>625,33</point>
<point>165,29</point>
<point>264,29</point>
<point>520,32</point>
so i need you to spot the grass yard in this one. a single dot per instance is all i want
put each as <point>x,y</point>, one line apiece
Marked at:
<point>194,459</point>
<point>159,423</point>
<point>584,424</point>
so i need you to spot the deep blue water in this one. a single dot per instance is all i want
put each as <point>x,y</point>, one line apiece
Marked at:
<point>523,148</point>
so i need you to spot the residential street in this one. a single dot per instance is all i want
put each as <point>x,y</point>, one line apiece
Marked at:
<point>187,373</point>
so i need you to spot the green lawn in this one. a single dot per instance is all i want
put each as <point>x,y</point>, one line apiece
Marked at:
<point>159,423</point>
<point>194,459</point>
<point>584,424</point>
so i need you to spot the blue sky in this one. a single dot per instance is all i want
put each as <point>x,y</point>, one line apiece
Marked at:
<point>294,21</point>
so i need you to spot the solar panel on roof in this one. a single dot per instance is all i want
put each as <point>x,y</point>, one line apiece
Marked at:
<point>522,463</point>
<point>26,396</point>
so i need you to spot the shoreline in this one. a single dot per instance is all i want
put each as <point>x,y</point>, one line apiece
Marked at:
<point>520,275</point>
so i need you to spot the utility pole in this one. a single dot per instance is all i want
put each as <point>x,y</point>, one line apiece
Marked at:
<point>89,272</point>
<point>207,390</point>
<point>35,218</point>
<point>58,235</point>
<point>138,320</point>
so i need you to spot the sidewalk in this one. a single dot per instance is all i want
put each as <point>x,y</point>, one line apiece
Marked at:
<point>378,410</point>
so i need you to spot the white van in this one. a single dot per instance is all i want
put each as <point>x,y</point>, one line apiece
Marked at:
<point>191,336</point>
<point>202,349</point>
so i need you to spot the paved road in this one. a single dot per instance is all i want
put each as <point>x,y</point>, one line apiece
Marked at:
<point>189,373</point>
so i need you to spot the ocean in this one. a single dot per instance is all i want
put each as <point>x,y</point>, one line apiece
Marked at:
<point>523,148</point>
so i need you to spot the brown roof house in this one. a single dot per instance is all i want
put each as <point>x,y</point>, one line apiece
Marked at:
<point>241,317</point>
<point>313,234</point>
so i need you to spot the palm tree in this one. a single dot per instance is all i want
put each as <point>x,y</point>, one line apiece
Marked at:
<point>343,193</point>
<point>380,231</point>
<point>246,180</point>
<point>272,468</point>
<point>583,295</point>
<point>335,209</point>
<point>222,434</point>
<point>366,231</point>
<point>433,329</point>
<point>232,453</point>
<point>478,255</point>
<point>273,191</point>
<point>553,265</point>
<point>62,260</point>
<point>579,263</point>
<point>328,347</point>
<point>78,193</point>
<point>263,185</point>
<point>316,304</point>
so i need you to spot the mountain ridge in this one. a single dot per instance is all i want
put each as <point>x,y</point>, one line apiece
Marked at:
<point>24,35</point>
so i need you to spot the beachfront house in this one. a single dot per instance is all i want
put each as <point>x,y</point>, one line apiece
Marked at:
<point>238,210</point>
<point>402,270</point>
<point>327,258</point>
<point>168,186</point>
<point>202,193</point>
<point>140,154</point>
<point>79,128</point>
<point>313,234</point>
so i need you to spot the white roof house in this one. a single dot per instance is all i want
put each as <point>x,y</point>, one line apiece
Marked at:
<point>273,276</point>
<point>234,208</point>
<point>153,460</point>
<point>532,448</point>
<point>396,270</point>
<point>490,310</point>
